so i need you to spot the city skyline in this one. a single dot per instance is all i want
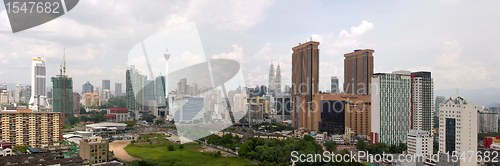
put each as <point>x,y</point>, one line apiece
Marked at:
<point>441,50</point>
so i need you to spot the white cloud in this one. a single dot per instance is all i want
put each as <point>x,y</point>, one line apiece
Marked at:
<point>236,55</point>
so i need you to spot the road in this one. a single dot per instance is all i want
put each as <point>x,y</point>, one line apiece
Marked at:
<point>119,152</point>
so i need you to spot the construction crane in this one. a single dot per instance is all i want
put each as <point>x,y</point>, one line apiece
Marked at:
<point>63,76</point>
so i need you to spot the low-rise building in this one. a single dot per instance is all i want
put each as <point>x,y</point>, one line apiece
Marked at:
<point>117,114</point>
<point>41,159</point>
<point>96,150</point>
<point>5,149</point>
<point>420,142</point>
<point>337,138</point>
<point>349,135</point>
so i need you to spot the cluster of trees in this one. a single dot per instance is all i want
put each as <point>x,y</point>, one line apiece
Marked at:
<point>115,102</point>
<point>228,140</point>
<point>380,148</point>
<point>20,148</point>
<point>272,127</point>
<point>279,151</point>
<point>95,117</point>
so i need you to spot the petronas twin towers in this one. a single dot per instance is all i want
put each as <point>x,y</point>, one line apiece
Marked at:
<point>274,80</point>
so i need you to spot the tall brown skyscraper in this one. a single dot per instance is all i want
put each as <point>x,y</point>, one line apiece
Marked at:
<point>305,78</point>
<point>358,71</point>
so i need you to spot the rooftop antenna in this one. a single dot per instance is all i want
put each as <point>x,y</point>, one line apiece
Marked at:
<point>311,38</point>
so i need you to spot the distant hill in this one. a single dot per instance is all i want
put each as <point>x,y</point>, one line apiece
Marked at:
<point>488,97</point>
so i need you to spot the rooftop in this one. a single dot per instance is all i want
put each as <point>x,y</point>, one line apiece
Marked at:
<point>107,124</point>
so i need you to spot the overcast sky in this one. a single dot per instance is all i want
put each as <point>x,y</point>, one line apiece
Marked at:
<point>458,41</point>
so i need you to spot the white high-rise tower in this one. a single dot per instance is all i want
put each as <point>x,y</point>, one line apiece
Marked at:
<point>38,83</point>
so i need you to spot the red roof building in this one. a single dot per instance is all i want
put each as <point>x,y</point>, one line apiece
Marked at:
<point>118,110</point>
<point>110,116</point>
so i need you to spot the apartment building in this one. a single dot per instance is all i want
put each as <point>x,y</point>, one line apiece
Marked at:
<point>24,127</point>
<point>95,149</point>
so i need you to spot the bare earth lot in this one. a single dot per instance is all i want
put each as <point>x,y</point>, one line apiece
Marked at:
<point>119,152</point>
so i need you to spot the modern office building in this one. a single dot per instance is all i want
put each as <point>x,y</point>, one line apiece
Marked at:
<point>87,88</point>
<point>38,82</point>
<point>118,89</point>
<point>91,99</point>
<point>63,96</point>
<point>335,111</point>
<point>458,127</point>
<point>422,93</point>
<point>76,102</point>
<point>487,121</point>
<point>28,94</point>
<point>391,107</point>
<point>439,100</point>
<point>420,142</point>
<point>283,106</point>
<point>334,85</point>
<point>358,71</point>
<point>96,150</point>
<point>305,78</point>
<point>106,84</point>
<point>25,127</point>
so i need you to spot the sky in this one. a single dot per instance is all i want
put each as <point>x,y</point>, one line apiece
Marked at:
<point>455,40</point>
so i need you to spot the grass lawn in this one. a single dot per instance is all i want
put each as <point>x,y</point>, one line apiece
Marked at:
<point>157,150</point>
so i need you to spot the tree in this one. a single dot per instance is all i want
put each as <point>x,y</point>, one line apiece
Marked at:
<point>82,110</point>
<point>20,148</point>
<point>67,127</point>
<point>402,147</point>
<point>150,118</point>
<point>181,146</point>
<point>73,121</point>
<point>308,138</point>
<point>361,145</point>
<point>130,123</point>
<point>393,149</point>
<point>170,147</point>
<point>331,146</point>
<point>160,121</point>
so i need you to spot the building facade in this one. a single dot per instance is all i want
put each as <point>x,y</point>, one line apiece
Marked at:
<point>118,89</point>
<point>358,71</point>
<point>63,96</point>
<point>76,102</point>
<point>305,78</point>
<point>120,114</point>
<point>391,107</point>
<point>422,93</point>
<point>91,99</point>
<point>106,84</point>
<point>335,111</point>
<point>487,121</point>
<point>458,127</point>
<point>38,81</point>
<point>420,142</point>
<point>25,127</point>
<point>438,101</point>
<point>87,88</point>
<point>334,85</point>
<point>96,150</point>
